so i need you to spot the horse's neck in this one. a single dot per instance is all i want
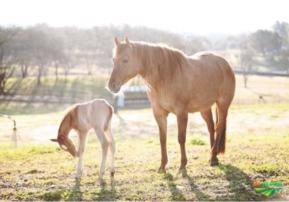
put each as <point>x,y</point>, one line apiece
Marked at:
<point>149,70</point>
<point>155,77</point>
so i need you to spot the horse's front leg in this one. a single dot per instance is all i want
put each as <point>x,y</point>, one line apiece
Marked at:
<point>81,147</point>
<point>182,120</point>
<point>161,119</point>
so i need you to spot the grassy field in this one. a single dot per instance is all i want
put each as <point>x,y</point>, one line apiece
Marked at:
<point>257,148</point>
<point>39,170</point>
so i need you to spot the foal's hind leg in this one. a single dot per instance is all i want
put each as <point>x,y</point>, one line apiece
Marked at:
<point>81,147</point>
<point>104,146</point>
<point>111,146</point>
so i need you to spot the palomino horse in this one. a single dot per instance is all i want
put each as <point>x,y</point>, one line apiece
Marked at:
<point>82,117</point>
<point>179,84</point>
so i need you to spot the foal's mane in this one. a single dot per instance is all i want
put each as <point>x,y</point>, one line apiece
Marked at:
<point>67,119</point>
<point>159,59</point>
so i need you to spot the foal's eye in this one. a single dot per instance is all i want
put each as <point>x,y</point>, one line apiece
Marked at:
<point>125,61</point>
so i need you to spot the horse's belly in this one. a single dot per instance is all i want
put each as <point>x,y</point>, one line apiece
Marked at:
<point>200,106</point>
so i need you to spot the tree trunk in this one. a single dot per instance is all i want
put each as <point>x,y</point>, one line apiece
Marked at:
<point>245,79</point>
<point>2,83</point>
<point>24,70</point>
<point>56,71</point>
<point>39,75</point>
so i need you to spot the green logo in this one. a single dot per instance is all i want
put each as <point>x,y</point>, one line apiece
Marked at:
<point>268,188</point>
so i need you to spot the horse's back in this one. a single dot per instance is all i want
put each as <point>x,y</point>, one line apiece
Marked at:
<point>211,79</point>
<point>211,61</point>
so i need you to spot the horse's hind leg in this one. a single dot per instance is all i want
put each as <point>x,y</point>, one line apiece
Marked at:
<point>208,117</point>
<point>182,120</point>
<point>219,144</point>
<point>104,146</point>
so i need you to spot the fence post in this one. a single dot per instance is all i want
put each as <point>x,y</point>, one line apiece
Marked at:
<point>14,135</point>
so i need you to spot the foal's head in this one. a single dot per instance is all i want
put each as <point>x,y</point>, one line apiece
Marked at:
<point>125,64</point>
<point>62,139</point>
<point>66,145</point>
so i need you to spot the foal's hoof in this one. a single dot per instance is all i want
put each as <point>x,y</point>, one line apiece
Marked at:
<point>112,174</point>
<point>214,162</point>
<point>162,170</point>
<point>101,181</point>
<point>78,176</point>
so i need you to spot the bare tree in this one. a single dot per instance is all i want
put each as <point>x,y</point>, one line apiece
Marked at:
<point>246,58</point>
<point>6,69</point>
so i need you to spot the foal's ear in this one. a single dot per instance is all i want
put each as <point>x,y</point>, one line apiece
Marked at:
<point>54,140</point>
<point>116,41</point>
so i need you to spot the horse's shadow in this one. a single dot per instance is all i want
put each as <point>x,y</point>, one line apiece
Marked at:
<point>240,184</point>
<point>239,188</point>
<point>177,195</point>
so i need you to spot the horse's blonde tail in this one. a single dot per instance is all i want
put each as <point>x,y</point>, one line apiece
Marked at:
<point>221,122</point>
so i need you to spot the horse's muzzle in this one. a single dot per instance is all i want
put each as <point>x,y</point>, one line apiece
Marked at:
<point>114,87</point>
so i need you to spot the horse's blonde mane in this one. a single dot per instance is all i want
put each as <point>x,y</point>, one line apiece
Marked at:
<point>159,59</point>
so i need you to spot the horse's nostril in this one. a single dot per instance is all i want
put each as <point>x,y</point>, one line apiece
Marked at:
<point>113,85</point>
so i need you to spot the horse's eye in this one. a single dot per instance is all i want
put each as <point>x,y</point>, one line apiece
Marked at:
<point>125,61</point>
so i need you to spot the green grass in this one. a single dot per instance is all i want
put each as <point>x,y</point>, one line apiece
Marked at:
<point>197,141</point>
<point>45,173</point>
<point>41,171</point>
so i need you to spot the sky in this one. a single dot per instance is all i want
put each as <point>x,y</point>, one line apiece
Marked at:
<point>200,17</point>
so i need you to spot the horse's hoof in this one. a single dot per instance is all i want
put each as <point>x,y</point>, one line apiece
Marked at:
<point>162,170</point>
<point>183,172</point>
<point>214,162</point>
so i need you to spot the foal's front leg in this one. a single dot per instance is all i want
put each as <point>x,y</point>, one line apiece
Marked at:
<point>104,146</point>
<point>81,146</point>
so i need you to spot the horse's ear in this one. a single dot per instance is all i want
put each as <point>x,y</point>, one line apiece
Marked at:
<point>126,40</point>
<point>116,41</point>
<point>54,140</point>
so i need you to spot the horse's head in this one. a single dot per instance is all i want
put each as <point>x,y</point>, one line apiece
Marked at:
<point>125,64</point>
<point>67,145</point>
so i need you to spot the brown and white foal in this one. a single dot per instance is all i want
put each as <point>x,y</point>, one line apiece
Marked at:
<point>82,117</point>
